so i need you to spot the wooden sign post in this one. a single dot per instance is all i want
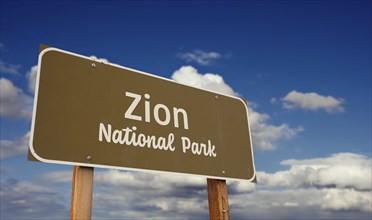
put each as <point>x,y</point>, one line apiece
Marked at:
<point>82,191</point>
<point>218,199</point>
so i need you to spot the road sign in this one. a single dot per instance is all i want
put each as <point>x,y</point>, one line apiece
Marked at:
<point>91,113</point>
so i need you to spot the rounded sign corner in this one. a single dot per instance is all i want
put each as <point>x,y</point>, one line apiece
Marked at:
<point>244,101</point>
<point>46,50</point>
<point>253,179</point>
<point>33,152</point>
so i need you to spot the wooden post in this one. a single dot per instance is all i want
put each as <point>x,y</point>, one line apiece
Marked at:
<point>82,190</point>
<point>217,199</point>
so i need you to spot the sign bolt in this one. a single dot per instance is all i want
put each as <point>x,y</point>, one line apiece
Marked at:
<point>89,157</point>
<point>93,65</point>
<point>216,96</point>
<point>223,172</point>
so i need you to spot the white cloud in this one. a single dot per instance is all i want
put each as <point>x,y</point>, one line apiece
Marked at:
<point>57,177</point>
<point>27,200</point>
<point>140,179</point>
<point>31,76</point>
<point>14,103</point>
<point>14,148</point>
<point>237,187</point>
<point>188,75</point>
<point>274,101</point>
<point>144,195</point>
<point>200,57</point>
<point>309,203</point>
<point>342,170</point>
<point>312,101</point>
<point>263,134</point>
<point>346,199</point>
<point>336,187</point>
<point>103,60</point>
<point>173,195</point>
<point>9,68</point>
<point>264,204</point>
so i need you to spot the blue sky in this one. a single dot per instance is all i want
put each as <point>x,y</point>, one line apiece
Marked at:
<point>303,66</point>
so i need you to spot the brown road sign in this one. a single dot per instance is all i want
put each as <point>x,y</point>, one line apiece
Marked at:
<point>91,113</point>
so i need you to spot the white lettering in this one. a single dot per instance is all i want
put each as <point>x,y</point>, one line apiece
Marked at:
<point>128,113</point>
<point>116,136</point>
<point>185,144</point>
<point>141,140</point>
<point>129,137</point>
<point>156,114</point>
<point>107,133</point>
<point>211,149</point>
<point>147,108</point>
<point>195,148</point>
<point>170,141</point>
<point>157,111</point>
<point>198,148</point>
<point>185,119</point>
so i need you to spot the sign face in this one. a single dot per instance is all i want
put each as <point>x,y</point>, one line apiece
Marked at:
<point>91,113</point>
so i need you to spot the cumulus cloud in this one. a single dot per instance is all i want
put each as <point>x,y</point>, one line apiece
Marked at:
<point>337,187</point>
<point>14,148</point>
<point>103,60</point>
<point>143,195</point>
<point>14,103</point>
<point>9,68</point>
<point>140,179</point>
<point>346,199</point>
<point>26,200</point>
<point>57,177</point>
<point>309,203</point>
<point>188,75</point>
<point>264,135</point>
<point>237,187</point>
<point>275,204</point>
<point>200,57</point>
<point>146,195</point>
<point>342,170</point>
<point>312,101</point>
<point>31,77</point>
